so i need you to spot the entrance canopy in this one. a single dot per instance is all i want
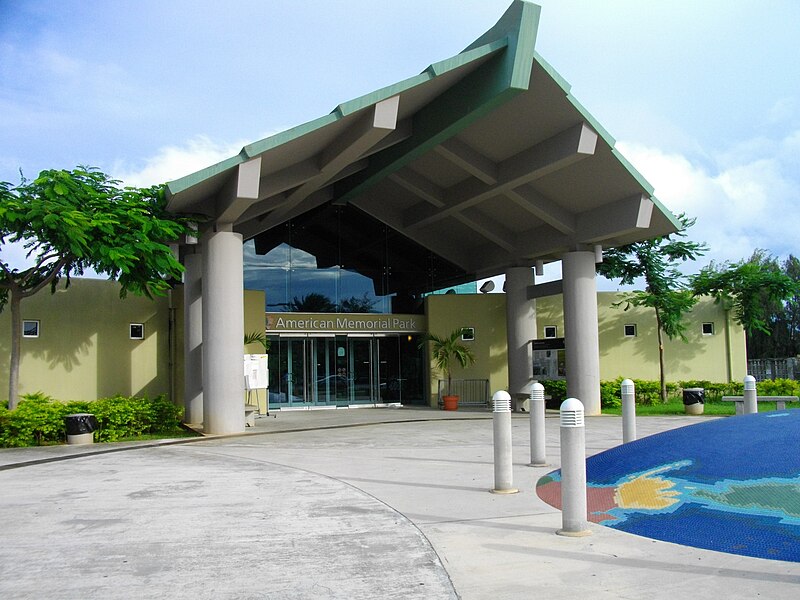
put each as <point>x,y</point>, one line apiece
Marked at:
<point>485,159</point>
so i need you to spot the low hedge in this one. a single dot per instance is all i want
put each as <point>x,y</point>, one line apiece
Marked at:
<point>648,393</point>
<point>39,420</point>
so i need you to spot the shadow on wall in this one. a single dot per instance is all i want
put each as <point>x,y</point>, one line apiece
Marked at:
<point>644,345</point>
<point>130,366</point>
<point>85,350</point>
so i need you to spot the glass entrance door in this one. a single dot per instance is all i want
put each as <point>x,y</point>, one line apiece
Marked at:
<point>361,370</point>
<point>390,384</point>
<point>343,369</point>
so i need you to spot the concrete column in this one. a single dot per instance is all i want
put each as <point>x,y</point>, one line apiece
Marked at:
<point>223,333</point>
<point>580,329</point>
<point>193,338</point>
<point>520,330</point>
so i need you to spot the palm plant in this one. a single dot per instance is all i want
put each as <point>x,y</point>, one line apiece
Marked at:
<point>257,337</point>
<point>446,351</point>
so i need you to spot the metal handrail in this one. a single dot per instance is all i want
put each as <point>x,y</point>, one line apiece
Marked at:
<point>470,392</point>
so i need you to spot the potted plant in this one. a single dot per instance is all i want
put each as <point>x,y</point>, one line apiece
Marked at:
<point>445,352</point>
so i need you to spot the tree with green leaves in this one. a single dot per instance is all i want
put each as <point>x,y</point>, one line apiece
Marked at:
<point>752,289</point>
<point>666,290</point>
<point>70,221</point>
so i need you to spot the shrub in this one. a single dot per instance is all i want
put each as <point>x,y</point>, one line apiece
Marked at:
<point>121,417</point>
<point>611,393</point>
<point>556,389</point>
<point>39,419</point>
<point>778,387</point>
<point>648,393</point>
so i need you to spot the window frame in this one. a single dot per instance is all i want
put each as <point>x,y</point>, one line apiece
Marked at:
<point>130,331</point>
<point>625,330</point>
<point>38,323</point>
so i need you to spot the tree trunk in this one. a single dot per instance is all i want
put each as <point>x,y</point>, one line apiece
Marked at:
<point>16,336</point>
<point>662,377</point>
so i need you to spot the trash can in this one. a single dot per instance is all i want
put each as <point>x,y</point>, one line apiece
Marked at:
<point>693,400</point>
<point>80,428</point>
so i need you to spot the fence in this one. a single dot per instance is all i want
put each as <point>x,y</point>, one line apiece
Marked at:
<point>470,392</point>
<point>774,368</point>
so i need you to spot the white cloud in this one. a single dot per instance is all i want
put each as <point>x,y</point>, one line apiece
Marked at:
<point>749,202</point>
<point>172,162</point>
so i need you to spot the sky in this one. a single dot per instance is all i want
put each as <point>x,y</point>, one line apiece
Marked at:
<point>703,97</point>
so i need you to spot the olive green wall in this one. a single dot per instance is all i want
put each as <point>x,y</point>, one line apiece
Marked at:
<point>84,350</point>
<point>486,313</point>
<point>704,357</point>
<point>719,357</point>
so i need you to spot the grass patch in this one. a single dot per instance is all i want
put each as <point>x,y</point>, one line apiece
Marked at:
<point>710,408</point>
<point>178,433</point>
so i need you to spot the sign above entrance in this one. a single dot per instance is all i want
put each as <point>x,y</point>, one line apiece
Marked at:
<point>344,323</point>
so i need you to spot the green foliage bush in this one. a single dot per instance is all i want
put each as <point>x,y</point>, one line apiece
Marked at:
<point>38,419</point>
<point>778,387</point>
<point>556,389</point>
<point>648,393</point>
<point>611,393</point>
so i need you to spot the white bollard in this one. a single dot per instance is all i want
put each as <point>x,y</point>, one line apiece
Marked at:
<point>750,395</point>
<point>628,411</point>
<point>503,465</point>
<point>538,441</point>
<point>573,470</point>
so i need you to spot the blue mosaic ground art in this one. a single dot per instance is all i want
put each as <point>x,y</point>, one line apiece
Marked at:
<point>731,485</point>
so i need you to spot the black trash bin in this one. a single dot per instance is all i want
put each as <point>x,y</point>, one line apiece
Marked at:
<point>693,400</point>
<point>81,428</point>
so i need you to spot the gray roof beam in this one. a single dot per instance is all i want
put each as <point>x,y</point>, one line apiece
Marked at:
<point>617,219</point>
<point>545,209</point>
<point>563,149</point>
<point>239,192</point>
<point>470,160</point>
<point>356,141</point>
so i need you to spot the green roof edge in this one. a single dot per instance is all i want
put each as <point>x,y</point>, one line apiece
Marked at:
<point>497,38</point>
<point>606,136</point>
<point>516,30</point>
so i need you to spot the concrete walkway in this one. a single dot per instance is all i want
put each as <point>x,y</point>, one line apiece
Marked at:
<point>360,503</point>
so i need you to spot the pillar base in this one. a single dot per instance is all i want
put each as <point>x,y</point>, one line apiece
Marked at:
<point>565,533</point>
<point>509,491</point>
<point>542,464</point>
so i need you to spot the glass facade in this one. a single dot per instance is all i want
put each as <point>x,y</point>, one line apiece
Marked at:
<point>339,259</point>
<point>344,370</point>
<point>336,261</point>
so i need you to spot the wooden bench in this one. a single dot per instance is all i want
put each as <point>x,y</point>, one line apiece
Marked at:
<point>780,401</point>
<point>250,411</point>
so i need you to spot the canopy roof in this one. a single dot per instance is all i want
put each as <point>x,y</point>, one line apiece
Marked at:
<point>485,159</point>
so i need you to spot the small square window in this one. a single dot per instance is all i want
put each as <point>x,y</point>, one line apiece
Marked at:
<point>468,334</point>
<point>630,330</point>
<point>30,329</point>
<point>550,331</point>
<point>708,328</point>
<point>137,331</point>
